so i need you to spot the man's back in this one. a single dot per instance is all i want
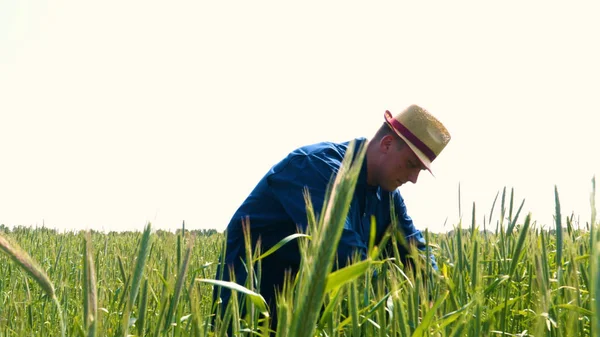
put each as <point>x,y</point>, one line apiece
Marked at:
<point>275,208</point>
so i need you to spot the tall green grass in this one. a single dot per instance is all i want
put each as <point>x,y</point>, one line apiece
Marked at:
<point>523,279</point>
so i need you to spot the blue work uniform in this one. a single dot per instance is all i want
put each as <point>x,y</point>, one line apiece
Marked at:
<point>276,208</point>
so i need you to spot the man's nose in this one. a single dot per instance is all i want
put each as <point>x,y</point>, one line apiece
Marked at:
<point>413,176</point>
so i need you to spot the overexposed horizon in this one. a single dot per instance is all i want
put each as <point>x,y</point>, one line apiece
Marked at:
<point>115,114</point>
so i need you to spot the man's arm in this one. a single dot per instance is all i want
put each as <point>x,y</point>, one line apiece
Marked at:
<point>407,227</point>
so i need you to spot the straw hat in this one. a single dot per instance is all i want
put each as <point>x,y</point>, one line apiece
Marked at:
<point>424,134</point>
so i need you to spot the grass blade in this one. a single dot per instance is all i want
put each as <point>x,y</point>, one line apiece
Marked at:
<point>596,288</point>
<point>137,277</point>
<point>141,321</point>
<point>559,236</point>
<point>256,298</point>
<point>511,225</point>
<point>493,206</point>
<point>90,295</point>
<point>519,247</point>
<point>23,260</point>
<point>423,328</point>
<point>317,261</point>
<point>179,284</point>
<point>280,244</point>
<point>340,277</point>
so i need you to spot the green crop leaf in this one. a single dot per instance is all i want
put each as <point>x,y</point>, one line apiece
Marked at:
<point>347,274</point>
<point>256,298</point>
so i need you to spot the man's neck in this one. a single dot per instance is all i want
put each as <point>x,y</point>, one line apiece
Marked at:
<point>370,159</point>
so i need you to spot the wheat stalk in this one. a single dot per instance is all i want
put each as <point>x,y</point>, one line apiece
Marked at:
<point>26,263</point>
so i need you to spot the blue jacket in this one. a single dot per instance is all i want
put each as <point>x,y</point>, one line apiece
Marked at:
<point>276,207</point>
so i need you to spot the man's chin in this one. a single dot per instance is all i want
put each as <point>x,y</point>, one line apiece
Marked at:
<point>390,188</point>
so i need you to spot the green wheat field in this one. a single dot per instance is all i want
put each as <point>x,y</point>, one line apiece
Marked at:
<point>515,278</point>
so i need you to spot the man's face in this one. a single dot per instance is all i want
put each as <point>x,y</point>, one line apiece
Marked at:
<point>398,166</point>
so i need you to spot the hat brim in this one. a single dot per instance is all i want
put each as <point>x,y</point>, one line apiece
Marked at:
<point>420,155</point>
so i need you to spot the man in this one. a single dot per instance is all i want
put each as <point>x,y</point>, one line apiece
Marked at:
<point>405,145</point>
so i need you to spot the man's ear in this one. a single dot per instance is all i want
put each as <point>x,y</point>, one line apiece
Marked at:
<point>386,143</point>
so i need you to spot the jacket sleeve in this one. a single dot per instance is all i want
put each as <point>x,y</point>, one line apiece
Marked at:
<point>407,227</point>
<point>288,183</point>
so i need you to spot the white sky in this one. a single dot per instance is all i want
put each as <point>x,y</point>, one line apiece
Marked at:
<point>115,113</point>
